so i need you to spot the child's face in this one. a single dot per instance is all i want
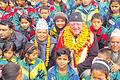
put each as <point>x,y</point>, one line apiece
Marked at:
<point>98,75</point>
<point>62,61</point>
<point>3,5</point>
<point>12,4</point>
<point>60,23</point>
<point>115,7</point>
<point>78,2</point>
<point>33,56</point>
<point>20,2</point>
<point>44,13</point>
<point>58,1</point>
<point>24,23</point>
<point>96,23</point>
<point>86,2</point>
<point>44,1</point>
<point>9,54</point>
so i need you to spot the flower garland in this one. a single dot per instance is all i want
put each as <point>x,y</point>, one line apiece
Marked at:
<point>47,49</point>
<point>82,41</point>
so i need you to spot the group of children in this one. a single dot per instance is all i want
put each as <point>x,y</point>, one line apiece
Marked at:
<point>101,17</point>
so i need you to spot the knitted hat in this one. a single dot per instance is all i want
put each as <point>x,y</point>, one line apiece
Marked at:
<point>60,15</point>
<point>41,24</point>
<point>76,16</point>
<point>115,33</point>
<point>100,64</point>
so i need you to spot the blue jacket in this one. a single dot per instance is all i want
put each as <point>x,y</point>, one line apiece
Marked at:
<point>71,73</point>
<point>87,13</point>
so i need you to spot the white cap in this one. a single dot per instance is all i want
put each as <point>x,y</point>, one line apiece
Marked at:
<point>115,33</point>
<point>41,24</point>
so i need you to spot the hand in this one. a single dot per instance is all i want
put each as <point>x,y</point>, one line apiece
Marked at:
<point>115,68</point>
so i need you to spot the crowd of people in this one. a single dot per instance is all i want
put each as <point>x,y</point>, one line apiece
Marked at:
<point>60,39</point>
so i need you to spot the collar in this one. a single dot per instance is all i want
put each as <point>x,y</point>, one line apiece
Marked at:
<point>54,70</point>
<point>98,32</point>
<point>27,30</point>
<point>88,9</point>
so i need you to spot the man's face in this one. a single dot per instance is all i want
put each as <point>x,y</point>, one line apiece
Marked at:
<point>5,31</point>
<point>75,27</point>
<point>115,44</point>
<point>41,34</point>
<point>62,61</point>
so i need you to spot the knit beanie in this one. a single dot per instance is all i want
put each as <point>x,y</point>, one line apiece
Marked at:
<point>75,17</point>
<point>60,15</point>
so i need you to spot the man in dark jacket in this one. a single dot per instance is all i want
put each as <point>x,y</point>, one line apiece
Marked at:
<point>8,34</point>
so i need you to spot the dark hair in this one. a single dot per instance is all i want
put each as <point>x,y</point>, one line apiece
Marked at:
<point>97,16</point>
<point>43,7</point>
<point>10,71</point>
<point>5,1</point>
<point>7,22</point>
<point>9,45</point>
<point>29,48</point>
<point>26,17</point>
<point>63,51</point>
<point>106,51</point>
<point>110,11</point>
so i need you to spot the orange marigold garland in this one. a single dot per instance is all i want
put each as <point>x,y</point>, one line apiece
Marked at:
<point>81,42</point>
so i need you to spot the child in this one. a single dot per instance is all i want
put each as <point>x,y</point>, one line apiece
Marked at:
<point>6,12</point>
<point>87,9</point>
<point>103,6</point>
<point>60,20</point>
<point>104,54</point>
<point>73,5</point>
<point>26,27</point>
<point>9,52</point>
<point>43,12</point>
<point>2,59</point>
<point>22,8</point>
<point>99,30</point>
<point>62,70</point>
<point>33,68</point>
<point>1,53</point>
<point>114,16</point>
<point>59,6</point>
<point>99,71</point>
<point>12,71</point>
